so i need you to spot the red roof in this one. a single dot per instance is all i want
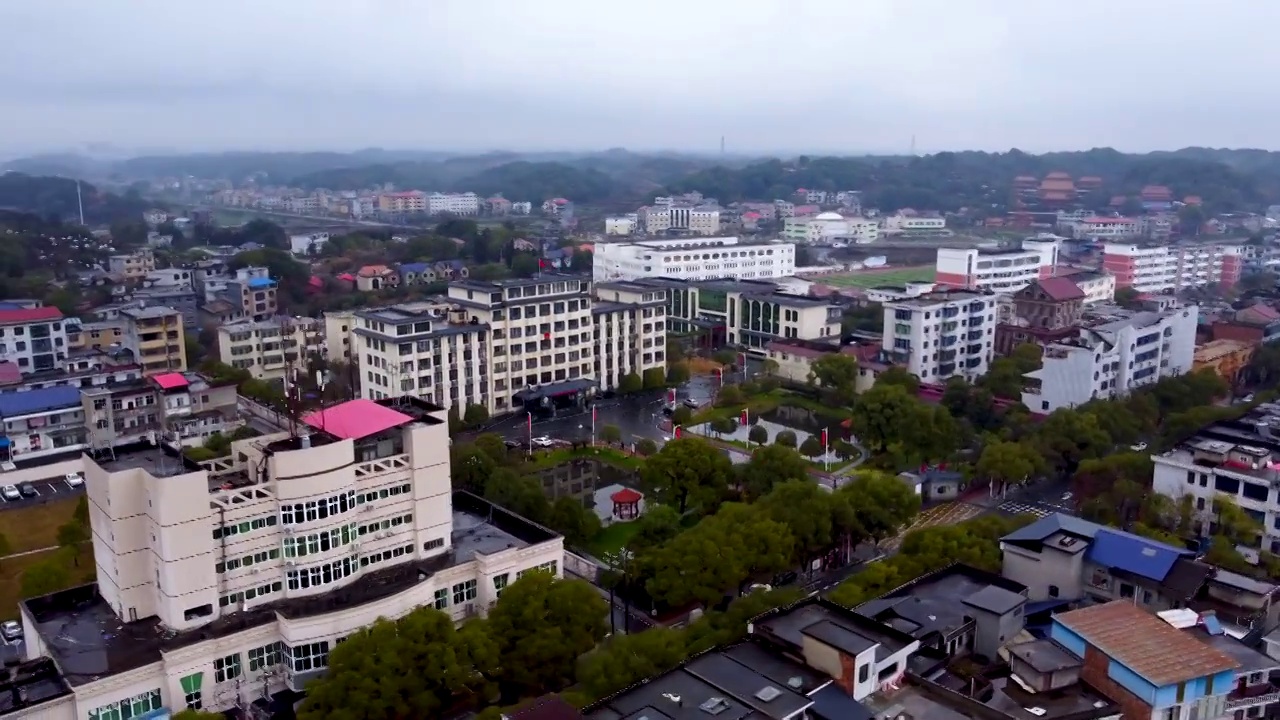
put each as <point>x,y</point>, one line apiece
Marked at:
<point>1060,289</point>
<point>316,281</point>
<point>355,419</point>
<point>10,317</point>
<point>626,495</point>
<point>348,277</point>
<point>170,381</point>
<point>9,373</point>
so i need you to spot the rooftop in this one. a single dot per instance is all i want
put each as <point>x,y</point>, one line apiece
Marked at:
<point>837,626</point>
<point>1159,653</point>
<point>356,419</point>
<point>17,404</point>
<point>938,297</point>
<point>82,633</point>
<point>28,315</point>
<point>30,683</point>
<point>942,602</point>
<point>151,312</point>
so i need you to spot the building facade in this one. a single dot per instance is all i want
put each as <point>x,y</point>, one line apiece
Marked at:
<point>265,347</point>
<point>1114,352</point>
<point>1043,312</point>
<point>34,339</point>
<point>941,335</point>
<point>692,219</point>
<point>693,259</point>
<point>1170,268</point>
<point>156,338</point>
<point>1003,271</point>
<point>232,583</point>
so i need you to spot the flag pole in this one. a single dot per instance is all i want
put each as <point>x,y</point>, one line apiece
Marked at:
<point>593,426</point>
<point>529,429</point>
<point>826,450</point>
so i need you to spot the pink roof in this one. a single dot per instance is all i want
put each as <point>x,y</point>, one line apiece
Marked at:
<point>560,201</point>
<point>29,315</point>
<point>9,373</point>
<point>170,381</point>
<point>347,276</point>
<point>355,419</point>
<point>750,216</point>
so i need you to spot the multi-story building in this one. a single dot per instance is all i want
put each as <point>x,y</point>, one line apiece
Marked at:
<point>914,225</point>
<point>416,349</point>
<point>34,339</point>
<point>1115,351</point>
<point>184,299</point>
<point>339,335</point>
<point>1100,228</point>
<point>1002,271</point>
<point>621,224</point>
<point>1227,359</point>
<point>266,347</point>
<point>411,201</point>
<point>693,259</point>
<point>176,409</point>
<point>750,313</point>
<point>691,219</point>
<point>453,203</point>
<point>830,227</point>
<point>232,581</point>
<point>132,266</point>
<point>630,331</point>
<point>1171,268</point>
<point>155,337</point>
<point>100,335</point>
<point>521,207</point>
<point>41,423</point>
<point>942,334</point>
<point>1043,312</point>
<point>1098,287</point>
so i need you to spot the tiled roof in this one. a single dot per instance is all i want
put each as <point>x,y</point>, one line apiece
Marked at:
<point>1061,289</point>
<point>8,317</point>
<point>1155,650</point>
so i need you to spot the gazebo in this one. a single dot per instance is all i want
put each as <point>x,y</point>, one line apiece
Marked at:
<point>626,504</point>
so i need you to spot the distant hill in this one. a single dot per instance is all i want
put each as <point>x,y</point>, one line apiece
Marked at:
<point>55,197</point>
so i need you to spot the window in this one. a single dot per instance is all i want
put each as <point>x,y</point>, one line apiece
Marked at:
<point>433,544</point>
<point>1053,591</point>
<point>1126,590</point>
<point>191,690</point>
<point>227,668</point>
<point>442,598</point>
<point>464,591</point>
<point>323,574</point>
<point>864,673</point>
<point>265,656</point>
<point>500,582</point>
<point>308,656</point>
<point>129,708</point>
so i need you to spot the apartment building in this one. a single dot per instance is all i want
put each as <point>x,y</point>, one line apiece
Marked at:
<point>1098,287</point>
<point>41,423</point>
<point>630,331</point>
<point>1105,228</point>
<point>132,266</point>
<point>411,201</point>
<point>418,349</point>
<point>830,227</point>
<point>1115,351</point>
<point>693,259</point>
<point>34,339</point>
<point>232,581</point>
<point>339,335</point>
<point>1171,268</point>
<point>174,409</point>
<point>521,207</point>
<point>942,334</point>
<point>914,225</point>
<point>1002,271</point>
<point>466,204</point>
<point>156,338</point>
<point>265,347</point>
<point>691,219</point>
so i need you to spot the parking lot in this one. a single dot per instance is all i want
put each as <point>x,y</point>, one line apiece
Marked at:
<point>46,489</point>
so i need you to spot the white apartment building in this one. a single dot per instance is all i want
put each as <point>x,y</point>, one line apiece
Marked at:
<point>694,219</point>
<point>308,243</point>
<point>521,208</point>
<point>1118,350</point>
<point>224,585</point>
<point>34,339</point>
<point>1106,228</point>
<point>505,344</point>
<point>942,334</point>
<point>1002,271</point>
<point>1098,287</point>
<point>830,227</point>
<point>40,423</point>
<point>621,224</point>
<point>264,347</point>
<point>467,203</point>
<point>693,259</point>
<point>339,335</point>
<point>1170,268</point>
<point>913,225</point>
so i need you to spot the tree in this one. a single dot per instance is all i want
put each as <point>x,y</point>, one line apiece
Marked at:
<point>577,524</point>
<point>730,396</point>
<point>46,576</point>
<point>770,465</point>
<point>758,434</point>
<point>881,502</point>
<point>681,415</point>
<point>837,375</point>
<point>610,434</point>
<point>687,472</point>
<point>630,383</point>
<point>785,438</point>
<point>70,536</point>
<point>657,525</point>
<point>724,425</point>
<point>81,513</point>
<point>475,415</point>
<point>492,446</point>
<point>812,447</point>
<point>1068,437</point>
<point>411,667</point>
<point>677,373</point>
<point>1008,463</point>
<point>626,659</point>
<point>717,556</point>
<point>809,512</point>
<point>654,378</point>
<point>901,377</point>
<point>542,624</point>
<point>1004,379</point>
<point>521,494</point>
<point>646,447</point>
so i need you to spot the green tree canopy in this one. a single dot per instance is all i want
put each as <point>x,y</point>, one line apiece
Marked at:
<point>837,375</point>
<point>770,465</point>
<point>687,472</point>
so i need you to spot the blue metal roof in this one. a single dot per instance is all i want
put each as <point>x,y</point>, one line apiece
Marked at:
<point>261,282</point>
<point>33,401</point>
<point>1134,554</point>
<point>413,267</point>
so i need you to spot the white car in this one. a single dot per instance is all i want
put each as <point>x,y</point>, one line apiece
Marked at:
<point>10,492</point>
<point>10,630</point>
<point>542,441</point>
<point>74,480</point>
<point>1139,447</point>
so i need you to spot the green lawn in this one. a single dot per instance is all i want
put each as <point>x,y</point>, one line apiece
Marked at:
<point>613,538</point>
<point>874,278</point>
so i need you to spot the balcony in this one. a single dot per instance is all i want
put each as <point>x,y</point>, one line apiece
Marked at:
<point>382,466</point>
<point>1261,694</point>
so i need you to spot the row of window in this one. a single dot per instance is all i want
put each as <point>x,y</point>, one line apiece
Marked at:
<point>307,656</point>
<point>374,558</point>
<point>386,523</point>
<point>312,510</point>
<point>247,561</point>
<point>249,594</point>
<point>549,567</point>
<point>321,574</point>
<point>244,526</point>
<point>129,707</point>
<point>322,541</point>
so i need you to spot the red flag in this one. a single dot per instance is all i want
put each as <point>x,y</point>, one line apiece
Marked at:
<point>542,263</point>
<point>743,419</point>
<point>824,437</point>
<point>742,360</point>
<point>593,413</point>
<point>676,432</point>
<point>671,396</point>
<point>546,336</point>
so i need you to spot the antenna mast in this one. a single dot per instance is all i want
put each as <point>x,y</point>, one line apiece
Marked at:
<point>79,201</point>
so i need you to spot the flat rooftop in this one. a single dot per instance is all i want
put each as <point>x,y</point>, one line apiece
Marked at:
<point>151,459</point>
<point>837,626</point>
<point>914,702</point>
<point>86,638</point>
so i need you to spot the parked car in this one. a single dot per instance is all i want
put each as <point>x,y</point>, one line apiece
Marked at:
<point>28,490</point>
<point>691,404</point>
<point>10,630</point>
<point>10,492</point>
<point>513,444</point>
<point>74,480</point>
<point>542,441</point>
<point>1139,447</point>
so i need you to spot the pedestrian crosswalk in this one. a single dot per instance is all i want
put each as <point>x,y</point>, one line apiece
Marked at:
<point>1032,508</point>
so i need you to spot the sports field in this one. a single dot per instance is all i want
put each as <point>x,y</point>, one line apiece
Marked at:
<point>872,278</point>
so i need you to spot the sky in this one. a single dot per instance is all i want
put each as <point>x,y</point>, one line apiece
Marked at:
<point>768,75</point>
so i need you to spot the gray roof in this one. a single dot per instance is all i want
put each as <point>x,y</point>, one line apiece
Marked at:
<point>1041,529</point>
<point>996,600</point>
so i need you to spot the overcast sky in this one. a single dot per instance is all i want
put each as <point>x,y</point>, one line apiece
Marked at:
<point>769,75</point>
